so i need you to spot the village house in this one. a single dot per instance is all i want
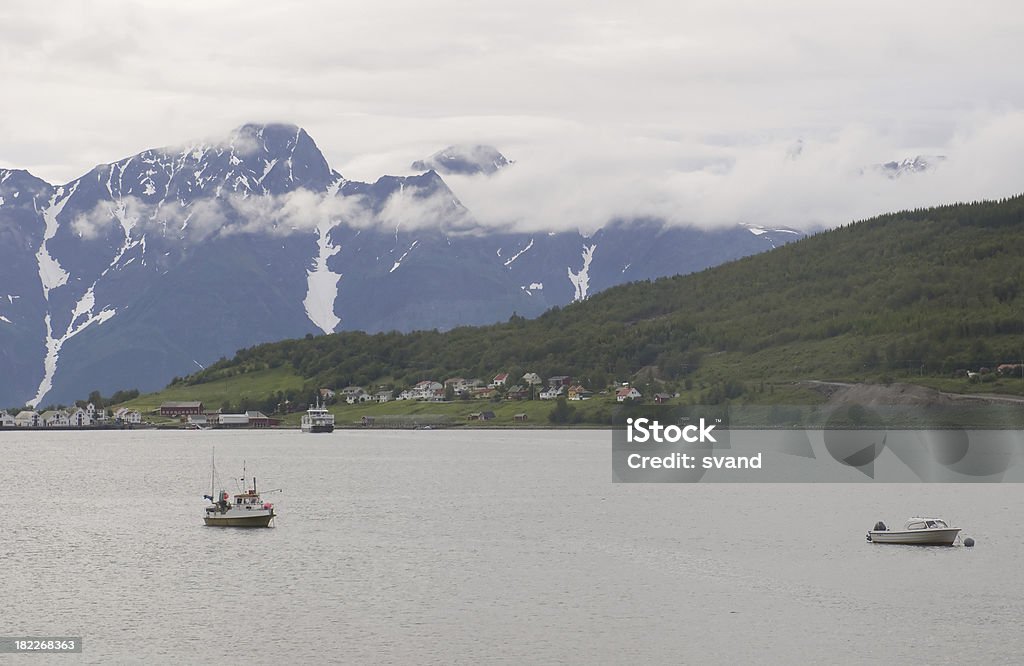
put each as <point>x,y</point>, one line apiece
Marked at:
<point>6,420</point>
<point>424,390</point>
<point>499,380</point>
<point>552,392</point>
<point>233,421</point>
<point>559,380</point>
<point>183,408</point>
<point>201,420</point>
<point>627,392</point>
<point>354,394</point>
<point>128,416</point>
<point>578,392</point>
<point>260,420</point>
<point>27,419</point>
<point>458,384</point>
<point>54,418</point>
<point>532,378</point>
<point>483,392</point>
<point>662,398</point>
<point>97,415</point>
<point>517,392</point>
<point>326,393</point>
<point>80,418</point>
<point>384,395</point>
<point>250,419</point>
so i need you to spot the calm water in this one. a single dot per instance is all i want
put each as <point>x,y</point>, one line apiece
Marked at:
<point>440,547</point>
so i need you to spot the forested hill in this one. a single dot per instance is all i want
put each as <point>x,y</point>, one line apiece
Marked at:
<point>930,290</point>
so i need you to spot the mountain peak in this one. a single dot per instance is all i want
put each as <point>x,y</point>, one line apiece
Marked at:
<point>464,160</point>
<point>917,164</point>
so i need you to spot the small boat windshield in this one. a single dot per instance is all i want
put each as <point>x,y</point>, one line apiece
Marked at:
<point>936,523</point>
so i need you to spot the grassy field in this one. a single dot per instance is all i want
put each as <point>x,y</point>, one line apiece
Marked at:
<point>252,385</point>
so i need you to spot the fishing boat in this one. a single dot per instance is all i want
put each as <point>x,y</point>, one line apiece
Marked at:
<point>918,531</point>
<point>317,419</point>
<point>244,509</point>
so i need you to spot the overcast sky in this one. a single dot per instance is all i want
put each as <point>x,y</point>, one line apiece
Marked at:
<point>706,112</point>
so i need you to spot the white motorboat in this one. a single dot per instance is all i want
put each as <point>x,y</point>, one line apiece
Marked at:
<point>918,531</point>
<point>317,419</point>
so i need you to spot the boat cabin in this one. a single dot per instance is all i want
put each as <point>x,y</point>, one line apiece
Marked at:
<point>248,499</point>
<point>926,524</point>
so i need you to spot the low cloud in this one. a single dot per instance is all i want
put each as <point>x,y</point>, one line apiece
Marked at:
<point>299,211</point>
<point>95,223</point>
<point>411,208</point>
<point>586,180</point>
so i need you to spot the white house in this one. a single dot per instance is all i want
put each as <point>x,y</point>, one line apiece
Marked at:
<point>98,415</point>
<point>125,415</point>
<point>461,384</point>
<point>383,395</point>
<point>499,380</point>
<point>354,394</point>
<point>80,418</point>
<point>54,418</point>
<point>6,420</point>
<point>27,419</point>
<point>532,378</point>
<point>427,390</point>
<point>552,393</point>
<point>627,392</point>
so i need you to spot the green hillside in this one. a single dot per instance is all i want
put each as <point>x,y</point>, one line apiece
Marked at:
<point>912,296</point>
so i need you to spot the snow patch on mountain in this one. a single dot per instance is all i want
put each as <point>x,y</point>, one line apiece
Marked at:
<point>51,274</point>
<point>404,255</point>
<point>581,280</point>
<point>517,254</point>
<point>322,283</point>
<point>84,308</point>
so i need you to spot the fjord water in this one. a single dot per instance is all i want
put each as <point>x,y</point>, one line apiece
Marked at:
<point>477,546</point>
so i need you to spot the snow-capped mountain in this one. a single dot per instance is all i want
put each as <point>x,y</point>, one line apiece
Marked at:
<point>464,161</point>
<point>157,264</point>
<point>910,165</point>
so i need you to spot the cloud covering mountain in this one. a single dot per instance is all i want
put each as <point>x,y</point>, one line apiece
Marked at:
<point>153,265</point>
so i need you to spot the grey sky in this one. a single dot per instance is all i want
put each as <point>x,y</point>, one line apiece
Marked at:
<point>690,110</point>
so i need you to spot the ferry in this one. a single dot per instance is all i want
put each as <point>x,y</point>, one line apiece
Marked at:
<point>317,419</point>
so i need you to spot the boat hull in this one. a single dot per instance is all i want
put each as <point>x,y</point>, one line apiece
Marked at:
<point>327,427</point>
<point>933,537</point>
<point>260,519</point>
